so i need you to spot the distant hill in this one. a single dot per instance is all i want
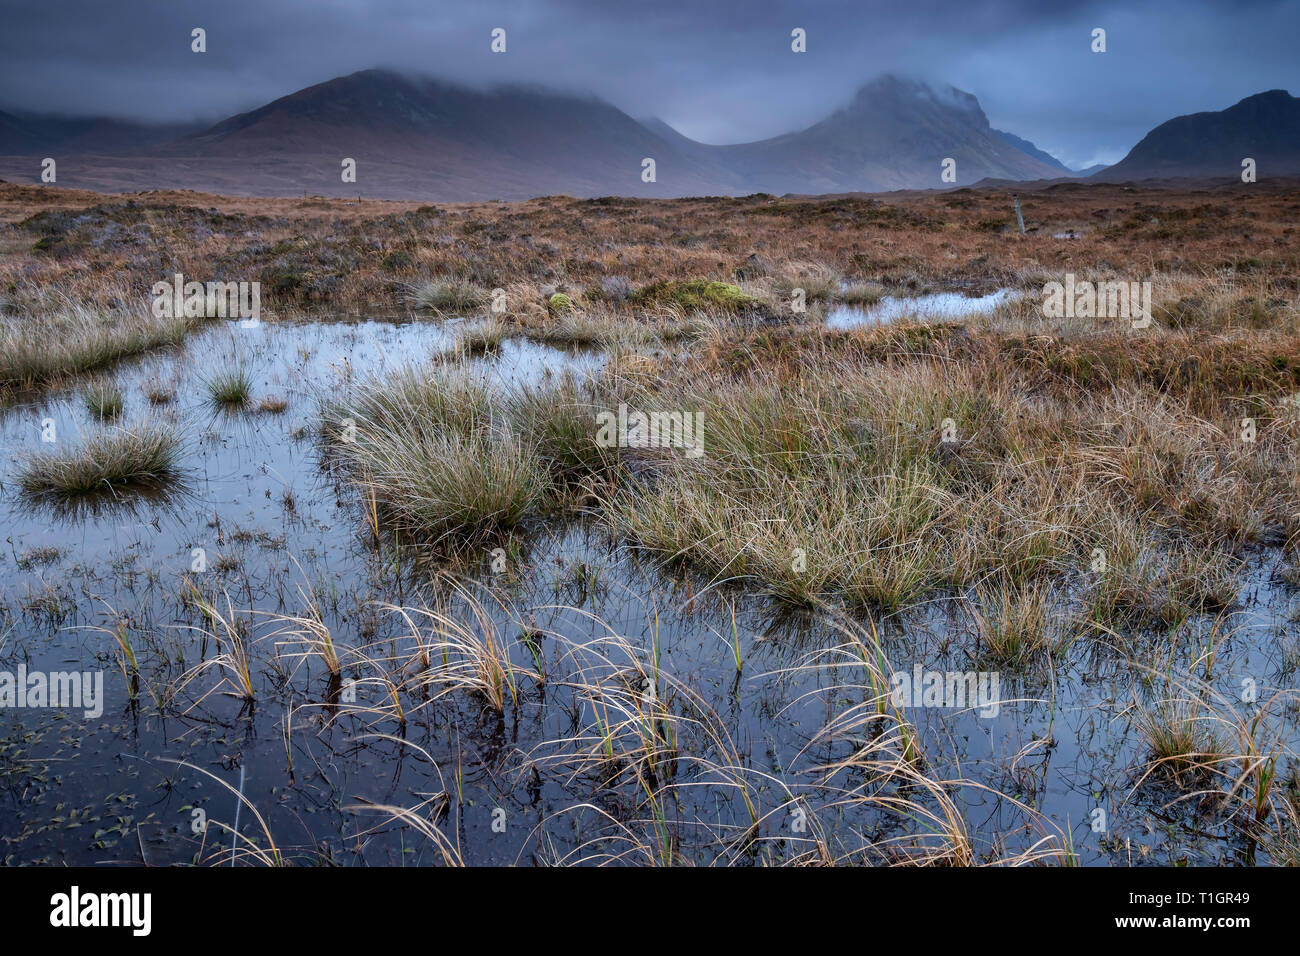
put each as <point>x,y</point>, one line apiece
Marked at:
<point>1025,146</point>
<point>30,133</point>
<point>1265,127</point>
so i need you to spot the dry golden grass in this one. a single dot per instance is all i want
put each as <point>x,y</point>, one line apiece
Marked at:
<point>1229,253</point>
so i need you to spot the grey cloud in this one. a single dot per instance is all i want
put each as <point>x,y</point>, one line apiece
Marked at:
<point>721,71</point>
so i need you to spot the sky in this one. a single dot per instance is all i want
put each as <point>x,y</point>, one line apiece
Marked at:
<point>720,71</point>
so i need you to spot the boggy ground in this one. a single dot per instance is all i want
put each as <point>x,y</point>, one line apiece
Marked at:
<point>1071,496</point>
<point>359,256</point>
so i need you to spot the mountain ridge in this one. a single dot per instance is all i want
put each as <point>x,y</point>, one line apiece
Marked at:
<point>421,137</point>
<point>1264,126</point>
<point>1025,146</point>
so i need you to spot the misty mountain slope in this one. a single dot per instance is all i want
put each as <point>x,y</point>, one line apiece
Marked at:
<point>32,134</point>
<point>680,142</point>
<point>422,138</point>
<point>17,138</point>
<point>1025,146</point>
<point>416,137</point>
<point>893,135</point>
<point>507,143</point>
<point>1265,127</point>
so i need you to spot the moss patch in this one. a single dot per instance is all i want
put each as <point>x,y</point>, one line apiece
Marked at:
<point>693,294</point>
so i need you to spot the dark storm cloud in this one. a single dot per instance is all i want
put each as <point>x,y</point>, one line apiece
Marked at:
<point>719,71</point>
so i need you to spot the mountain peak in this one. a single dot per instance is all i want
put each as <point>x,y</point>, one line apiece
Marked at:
<point>1269,97</point>
<point>896,132</point>
<point>907,91</point>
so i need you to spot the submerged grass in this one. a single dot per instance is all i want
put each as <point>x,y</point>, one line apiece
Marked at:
<point>103,400</point>
<point>1014,624</point>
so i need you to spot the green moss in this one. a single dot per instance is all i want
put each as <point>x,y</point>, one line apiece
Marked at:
<point>559,304</point>
<point>693,294</point>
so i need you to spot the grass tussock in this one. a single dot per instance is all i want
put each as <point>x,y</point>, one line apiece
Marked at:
<point>558,420</point>
<point>103,400</point>
<point>1181,735</point>
<point>55,336</point>
<point>447,295</point>
<point>1015,626</point>
<point>873,470</point>
<point>932,457</point>
<point>431,452</point>
<point>481,338</point>
<point>449,483</point>
<point>862,294</point>
<point>230,388</point>
<point>144,457</point>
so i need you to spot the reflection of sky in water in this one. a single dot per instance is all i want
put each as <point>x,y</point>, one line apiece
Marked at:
<point>259,495</point>
<point>941,305</point>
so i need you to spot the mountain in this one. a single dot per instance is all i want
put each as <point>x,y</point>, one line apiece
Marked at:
<point>32,134</point>
<point>683,144</point>
<point>421,138</point>
<point>16,137</point>
<point>1265,127</point>
<point>416,136</point>
<point>894,134</point>
<point>1025,146</point>
<point>515,142</point>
